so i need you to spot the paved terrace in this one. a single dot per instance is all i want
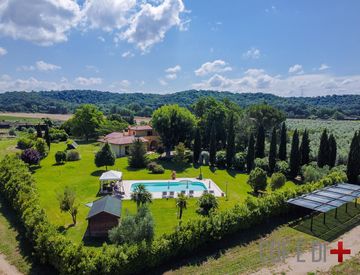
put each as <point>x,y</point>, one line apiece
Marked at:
<point>210,185</point>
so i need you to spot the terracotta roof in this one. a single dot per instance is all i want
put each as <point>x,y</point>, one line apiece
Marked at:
<point>141,128</point>
<point>121,139</point>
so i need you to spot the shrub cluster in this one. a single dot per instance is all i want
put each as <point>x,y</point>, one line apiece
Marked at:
<point>17,186</point>
<point>73,155</point>
<point>58,134</point>
<point>155,168</point>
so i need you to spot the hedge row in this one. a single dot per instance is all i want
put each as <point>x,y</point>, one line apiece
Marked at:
<point>17,186</point>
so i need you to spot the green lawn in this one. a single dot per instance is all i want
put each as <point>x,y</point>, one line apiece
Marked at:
<point>83,177</point>
<point>7,146</point>
<point>10,118</point>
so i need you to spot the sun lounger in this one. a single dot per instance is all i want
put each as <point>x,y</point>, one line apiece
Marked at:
<point>212,192</point>
<point>171,195</point>
<point>164,195</point>
<point>191,193</point>
<point>183,192</point>
<point>206,191</point>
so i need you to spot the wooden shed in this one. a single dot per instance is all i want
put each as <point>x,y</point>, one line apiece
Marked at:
<point>103,216</point>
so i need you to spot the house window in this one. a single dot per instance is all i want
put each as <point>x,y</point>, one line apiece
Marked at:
<point>149,133</point>
<point>126,150</point>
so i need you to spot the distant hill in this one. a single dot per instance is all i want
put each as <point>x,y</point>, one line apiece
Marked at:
<point>62,102</point>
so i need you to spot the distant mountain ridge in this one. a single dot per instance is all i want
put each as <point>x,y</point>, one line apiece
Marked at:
<point>67,101</point>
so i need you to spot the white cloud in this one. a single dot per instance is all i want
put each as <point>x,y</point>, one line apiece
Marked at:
<point>171,76</point>
<point>257,80</point>
<point>9,84</point>
<point>296,69</point>
<point>43,66</point>
<point>150,24</point>
<point>92,68</point>
<point>162,82</point>
<point>173,70</point>
<point>83,81</point>
<point>127,54</point>
<point>107,14</point>
<point>323,67</point>
<point>216,66</point>
<point>40,66</point>
<point>43,22</point>
<point>3,51</point>
<point>252,53</point>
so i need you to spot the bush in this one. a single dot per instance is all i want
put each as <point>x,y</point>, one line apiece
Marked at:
<point>25,143</point>
<point>282,167</point>
<point>277,181</point>
<point>180,153</point>
<point>257,179</point>
<point>312,172</point>
<point>158,169</point>
<point>221,159</point>
<point>60,157</point>
<point>58,134</point>
<point>262,163</point>
<point>151,165</point>
<point>31,156</point>
<point>204,158</point>
<point>138,157</point>
<point>12,132</point>
<point>41,146</point>
<point>31,130</point>
<point>240,161</point>
<point>207,202</point>
<point>73,155</point>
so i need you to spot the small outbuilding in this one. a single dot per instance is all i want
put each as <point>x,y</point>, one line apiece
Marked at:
<point>103,216</point>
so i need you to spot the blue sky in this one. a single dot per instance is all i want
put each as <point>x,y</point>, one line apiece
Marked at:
<point>283,47</point>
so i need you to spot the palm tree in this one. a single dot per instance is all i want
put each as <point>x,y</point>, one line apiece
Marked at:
<point>181,203</point>
<point>140,195</point>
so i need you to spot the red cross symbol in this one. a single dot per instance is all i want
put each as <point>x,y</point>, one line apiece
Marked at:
<point>340,251</point>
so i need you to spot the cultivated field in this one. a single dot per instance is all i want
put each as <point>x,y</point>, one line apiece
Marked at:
<point>7,116</point>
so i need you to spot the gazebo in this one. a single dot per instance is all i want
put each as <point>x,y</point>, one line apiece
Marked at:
<point>110,181</point>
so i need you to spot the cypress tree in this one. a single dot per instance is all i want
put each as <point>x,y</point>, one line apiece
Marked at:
<point>212,145</point>
<point>47,136</point>
<point>260,143</point>
<point>283,143</point>
<point>295,156</point>
<point>272,152</point>
<point>105,156</point>
<point>305,148</point>
<point>332,151</point>
<point>323,154</point>
<point>353,165</point>
<point>38,131</point>
<point>197,146</point>
<point>230,144</point>
<point>250,154</point>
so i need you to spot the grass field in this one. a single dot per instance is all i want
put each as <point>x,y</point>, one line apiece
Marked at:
<point>8,146</point>
<point>32,117</point>
<point>83,177</point>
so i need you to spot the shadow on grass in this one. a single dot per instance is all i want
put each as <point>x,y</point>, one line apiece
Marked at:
<point>333,227</point>
<point>97,173</point>
<point>174,166</point>
<point>232,172</point>
<point>215,249</point>
<point>62,229</point>
<point>25,248</point>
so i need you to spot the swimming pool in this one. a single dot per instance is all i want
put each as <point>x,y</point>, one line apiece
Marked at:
<point>176,186</point>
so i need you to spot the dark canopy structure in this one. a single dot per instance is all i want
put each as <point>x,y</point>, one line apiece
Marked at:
<point>328,198</point>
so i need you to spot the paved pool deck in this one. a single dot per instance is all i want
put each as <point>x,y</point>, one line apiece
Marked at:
<point>210,185</point>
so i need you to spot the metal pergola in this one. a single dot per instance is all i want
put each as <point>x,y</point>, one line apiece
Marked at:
<point>328,198</point>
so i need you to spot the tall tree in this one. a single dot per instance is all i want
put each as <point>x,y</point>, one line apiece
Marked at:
<point>141,195</point>
<point>250,154</point>
<point>174,124</point>
<point>47,136</point>
<point>323,154</point>
<point>295,155</point>
<point>87,119</point>
<point>105,156</point>
<point>266,115</point>
<point>230,144</point>
<point>272,152</point>
<point>181,204</point>
<point>212,145</point>
<point>260,143</point>
<point>305,148</point>
<point>197,146</point>
<point>332,151</point>
<point>353,165</point>
<point>38,131</point>
<point>283,143</point>
<point>138,157</point>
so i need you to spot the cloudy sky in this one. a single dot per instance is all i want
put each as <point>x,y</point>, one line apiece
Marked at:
<point>288,48</point>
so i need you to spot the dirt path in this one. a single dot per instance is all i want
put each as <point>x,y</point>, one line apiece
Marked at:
<point>350,240</point>
<point>38,115</point>
<point>6,268</point>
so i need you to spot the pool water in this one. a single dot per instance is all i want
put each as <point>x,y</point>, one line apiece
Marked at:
<point>176,186</point>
